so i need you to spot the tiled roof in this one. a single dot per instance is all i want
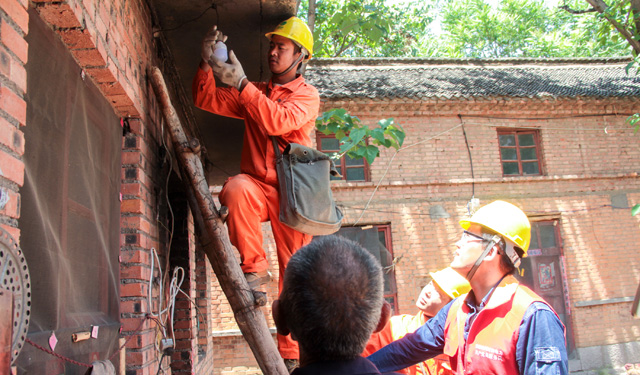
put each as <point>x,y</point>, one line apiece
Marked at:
<point>380,78</point>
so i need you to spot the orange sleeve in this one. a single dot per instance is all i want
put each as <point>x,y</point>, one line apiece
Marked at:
<point>378,340</point>
<point>281,117</point>
<point>221,101</point>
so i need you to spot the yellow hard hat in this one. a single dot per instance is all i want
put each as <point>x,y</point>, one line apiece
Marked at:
<point>298,31</point>
<point>506,220</point>
<point>451,282</point>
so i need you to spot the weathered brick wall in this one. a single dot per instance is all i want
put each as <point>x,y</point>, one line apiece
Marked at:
<point>590,155</point>
<point>112,42</point>
<point>14,25</point>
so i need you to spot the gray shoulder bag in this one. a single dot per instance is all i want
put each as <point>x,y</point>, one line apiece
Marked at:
<point>306,201</point>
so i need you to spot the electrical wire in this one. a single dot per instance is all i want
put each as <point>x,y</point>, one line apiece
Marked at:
<point>212,6</point>
<point>391,161</point>
<point>346,207</point>
<point>473,179</point>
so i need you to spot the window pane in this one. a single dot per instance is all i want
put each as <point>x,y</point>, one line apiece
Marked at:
<point>508,154</point>
<point>510,169</point>
<point>528,154</point>
<point>526,140</point>
<point>392,302</point>
<point>351,161</point>
<point>507,140</point>
<point>547,236</point>
<point>534,238</point>
<point>329,144</point>
<point>355,174</point>
<point>530,168</point>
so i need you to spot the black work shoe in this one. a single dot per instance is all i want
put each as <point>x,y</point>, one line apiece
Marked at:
<point>291,364</point>
<point>255,279</point>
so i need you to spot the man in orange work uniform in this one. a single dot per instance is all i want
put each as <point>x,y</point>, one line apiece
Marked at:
<point>285,107</point>
<point>445,285</point>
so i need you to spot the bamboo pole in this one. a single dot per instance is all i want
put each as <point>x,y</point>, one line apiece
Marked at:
<point>214,239</point>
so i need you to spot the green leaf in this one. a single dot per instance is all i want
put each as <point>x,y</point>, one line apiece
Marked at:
<point>370,153</point>
<point>377,134</point>
<point>384,123</point>
<point>635,210</point>
<point>357,135</point>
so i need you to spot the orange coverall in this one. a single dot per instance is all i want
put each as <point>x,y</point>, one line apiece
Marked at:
<point>287,111</point>
<point>396,328</point>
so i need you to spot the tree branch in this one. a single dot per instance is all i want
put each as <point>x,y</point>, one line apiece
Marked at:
<point>345,45</point>
<point>574,11</point>
<point>311,16</point>
<point>600,6</point>
<point>635,11</point>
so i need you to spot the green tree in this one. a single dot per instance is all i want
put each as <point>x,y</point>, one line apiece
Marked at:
<point>367,28</point>
<point>518,28</point>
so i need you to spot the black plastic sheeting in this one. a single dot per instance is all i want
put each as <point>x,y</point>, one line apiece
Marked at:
<point>70,214</point>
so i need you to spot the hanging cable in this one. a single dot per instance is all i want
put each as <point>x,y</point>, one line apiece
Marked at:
<point>389,166</point>
<point>212,6</point>
<point>466,142</point>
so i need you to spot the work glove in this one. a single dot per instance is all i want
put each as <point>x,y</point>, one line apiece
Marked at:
<point>230,74</point>
<point>208,43</point>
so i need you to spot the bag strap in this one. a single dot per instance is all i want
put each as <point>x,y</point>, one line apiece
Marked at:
<point>276,149</point>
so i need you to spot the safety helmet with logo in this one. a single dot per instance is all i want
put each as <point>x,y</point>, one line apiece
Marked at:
<point>451,282</point>
<point>298,31</point>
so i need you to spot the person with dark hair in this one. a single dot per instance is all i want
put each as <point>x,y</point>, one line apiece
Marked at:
<point>331,302</point>
<point>286,108</point>
<point>500,326</point>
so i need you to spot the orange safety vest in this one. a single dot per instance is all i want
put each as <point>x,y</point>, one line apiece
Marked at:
<point>397,327</point>
<point>491,344</point>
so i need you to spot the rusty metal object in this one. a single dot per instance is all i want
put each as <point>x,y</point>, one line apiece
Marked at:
<point>6,332</point>
<point>14,277</point>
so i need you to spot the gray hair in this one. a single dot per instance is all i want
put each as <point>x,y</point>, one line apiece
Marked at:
<point>332,297</point>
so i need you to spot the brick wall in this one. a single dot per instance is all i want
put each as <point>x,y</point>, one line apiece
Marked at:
<point>112,42</point>
<point>590,157</point>
<point>14,25</point>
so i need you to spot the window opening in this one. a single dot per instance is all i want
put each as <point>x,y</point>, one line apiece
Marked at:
<point>377,240</point>
<point>520,152</point>
<point>351,169</point>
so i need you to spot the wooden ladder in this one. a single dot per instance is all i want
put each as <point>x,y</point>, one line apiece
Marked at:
<point>214,240</point>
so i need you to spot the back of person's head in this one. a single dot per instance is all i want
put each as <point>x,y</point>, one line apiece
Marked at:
<point>332,298</point>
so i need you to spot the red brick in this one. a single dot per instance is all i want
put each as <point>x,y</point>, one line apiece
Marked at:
<point>135,222</point>
<point>76,38</point>
<point>14,41</point>
<point>89,58</point>
<point>5,62</point>
<point>11,168</point>
<point>13,232</point>
<point>18,74</point>
<point>136,256</point>
<point>133,206</point>
<point>16,12</point>
<point>135,272</point>
<point>12,207</point>
<point>60,15</point>
<point>137,289</point>
<point>101,75</point>
<point>13,105</point>
<point>11,137</point>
